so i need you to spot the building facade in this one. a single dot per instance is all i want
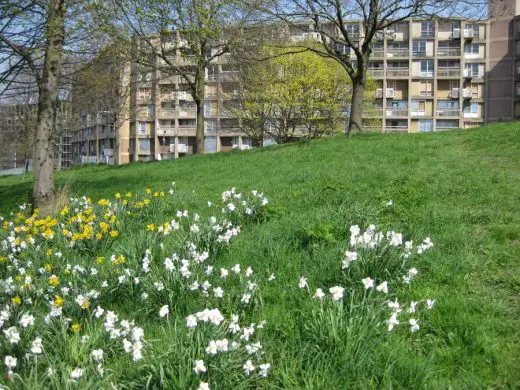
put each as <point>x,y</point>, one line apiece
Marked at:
<point>431,75</point>
<point>17,124</point>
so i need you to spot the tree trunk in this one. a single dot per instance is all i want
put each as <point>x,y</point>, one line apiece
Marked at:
<point>356,109</point>
<point>199,101</point>
<point>43,184</point>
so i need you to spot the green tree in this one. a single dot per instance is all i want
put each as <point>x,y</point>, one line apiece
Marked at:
<point>292,95</point>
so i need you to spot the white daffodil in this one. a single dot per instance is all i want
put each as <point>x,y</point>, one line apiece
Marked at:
<point>414,325</point>
<point>165,310</point>
<point>199,367</point>
<point>337,293</point>
<point>368,283</point>
<point>383,287</point>
<point>319,294</point>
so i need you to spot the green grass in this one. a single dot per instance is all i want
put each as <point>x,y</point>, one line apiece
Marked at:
<point>461,188</point>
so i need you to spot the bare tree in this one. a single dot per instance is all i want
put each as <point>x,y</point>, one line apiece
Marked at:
<point>335,23</point>
<point>180,38</point>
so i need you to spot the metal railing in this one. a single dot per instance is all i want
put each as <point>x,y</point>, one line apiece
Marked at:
<point>396,128</point>
<point>402,52</point>
<point>448,52</point>
<point>398,72</point>
<point>378,53</point>
<point>379,73</point>
<point>448,112</point>
<point>396,112</point>
<point>167,113</point>
<point>448,72</point>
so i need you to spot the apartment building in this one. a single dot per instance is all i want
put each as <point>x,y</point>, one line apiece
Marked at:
<point>17,122</point>
<point>431,75</point>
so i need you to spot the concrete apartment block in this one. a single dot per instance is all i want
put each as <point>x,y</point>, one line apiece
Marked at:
<point>431,75</point>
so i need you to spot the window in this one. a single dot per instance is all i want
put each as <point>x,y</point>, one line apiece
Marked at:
<point>418,107</point>
<point>142,127</point>
<point>447,124</point>
<point>210,144</point>
<point>426,88</point>
<point>473,70</point>
<point>427,68</point>
<point>419,48</point>
<point>144,145</point>
<point>472,48</point>
<point>455,27</point>
<point>427,29</point>
<point>207,108</point>
<point>448,104</point>
<point>211,126</point>
<point>149,110</point>
<point>353,30</point>
<point>212,72</point>
<point>401,104</point>
<point>425,125</point>
<point>472,30</point>
<point>144,94</point>
<point>342,49</point>
<point>454,84</point>
<point>471,108</point>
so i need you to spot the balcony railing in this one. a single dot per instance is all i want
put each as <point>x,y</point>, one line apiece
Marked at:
<point>377,73</point>
<point>187,112</point>
<point>419,53</point>
<point>373,112</point>
<point>448,72</point>
<point>448,52</point>
<point>167,113</point>
<point>448,112</point>
<point>396,112</point>
<point>425,94</point>
<point>398,72</point>
<point>446,127</point>
<point>396,128</point>
<point>378,53</point>
<point>402,52</point>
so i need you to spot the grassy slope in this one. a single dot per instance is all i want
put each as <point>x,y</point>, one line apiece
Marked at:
<point>461,188</point>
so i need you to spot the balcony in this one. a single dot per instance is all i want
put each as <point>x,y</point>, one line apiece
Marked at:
<point>187,113</point>
<point>448,52</point>
<point>397,72</point>
<point>376,73</point>
<point>448,72</point>
<point>448,112</point>
<point>373,112</point>
<point>378,53</point>
<point>166,130</point>
<point>396,112</point>
<point>425,94</point>
<point>419,53</point>
<point>229,76</point>
<point>167,113</point>
<point>401,52</point>
<point>396,128</point>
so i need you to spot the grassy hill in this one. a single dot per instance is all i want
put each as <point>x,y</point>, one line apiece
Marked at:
<point>461,188</point>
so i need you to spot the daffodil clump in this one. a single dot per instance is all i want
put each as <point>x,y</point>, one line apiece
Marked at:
<point>81,290</point>
<point>106,291</point>
<point>376,266</point>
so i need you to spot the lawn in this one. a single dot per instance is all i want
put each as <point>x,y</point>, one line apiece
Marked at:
<point>461,189</point>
